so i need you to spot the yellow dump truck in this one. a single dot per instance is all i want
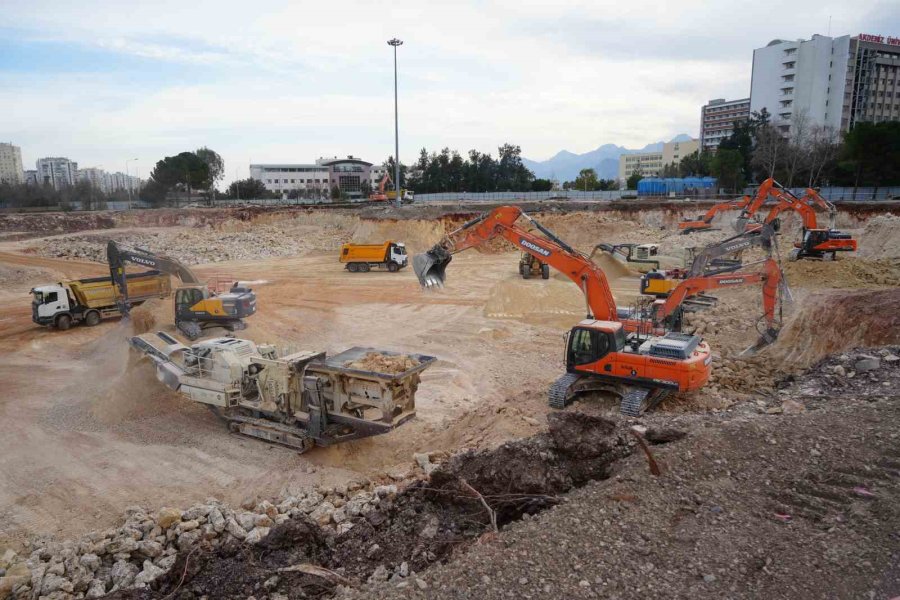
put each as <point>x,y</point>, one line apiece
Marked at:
<point>361,258</point>
<point>62,304</point>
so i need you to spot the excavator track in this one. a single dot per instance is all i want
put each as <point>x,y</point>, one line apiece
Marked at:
<point>559,390</point>
<point>274,433</point>
<point>637,401</point>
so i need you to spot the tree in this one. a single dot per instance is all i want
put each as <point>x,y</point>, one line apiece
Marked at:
<point>633,179</point>
<point>186,170</point>
<point>727,166</point>
<point>214,163</point>
<point>365,188</point>
<point>769,152</point>
<point>586,180</point>
<point>247,189</point>
<point>824,145</point>
<point>541,185</point>
<point>336,193</point>
<point>796,155</point>
<point>695,164</point>
<point>872,152</point>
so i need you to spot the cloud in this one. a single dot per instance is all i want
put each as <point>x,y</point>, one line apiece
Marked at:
<point>289,81</point>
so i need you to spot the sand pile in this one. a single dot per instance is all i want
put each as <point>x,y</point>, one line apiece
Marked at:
<point>881,238</point>
<point>383,363</point>
<point>613,267</point>
<point>520,298</point>
<point>149,315</point>
<point>846,272</point>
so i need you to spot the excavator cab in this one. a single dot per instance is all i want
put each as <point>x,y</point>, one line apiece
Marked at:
<point>588,344</point>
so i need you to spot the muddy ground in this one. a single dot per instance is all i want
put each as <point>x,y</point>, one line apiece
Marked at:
<point>86,436</point>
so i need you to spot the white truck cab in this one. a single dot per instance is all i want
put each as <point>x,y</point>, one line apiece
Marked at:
<point>398,254</point>
<point>47,302</point>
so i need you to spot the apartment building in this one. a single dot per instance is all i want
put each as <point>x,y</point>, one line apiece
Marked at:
<point>57,171</point>
<point>11,170</point>
<point>717,119</point>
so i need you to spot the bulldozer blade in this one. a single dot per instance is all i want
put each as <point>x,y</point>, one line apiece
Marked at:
<point>430,267</point>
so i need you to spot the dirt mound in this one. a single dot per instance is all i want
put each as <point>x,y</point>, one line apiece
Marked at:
<point>612,267</point>
<point>417,235</point>
<point>515,298</point>
<point>833,322</point>
<point>881,237</point>
<point>849,272</point>
<point>12,275</point>
<point>382,363</point>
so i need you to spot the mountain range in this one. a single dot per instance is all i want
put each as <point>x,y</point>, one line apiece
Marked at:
<point>565,165</point>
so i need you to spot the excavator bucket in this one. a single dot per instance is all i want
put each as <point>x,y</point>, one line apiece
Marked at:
<point>765,338</point>
<point>430,267</point>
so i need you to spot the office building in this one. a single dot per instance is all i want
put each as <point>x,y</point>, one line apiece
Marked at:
<point>57,172</point>
<point>717,119</point>
<point>11,164</point>
<point>651,163</point>
<point>829,82</point>
<point>316,180</point>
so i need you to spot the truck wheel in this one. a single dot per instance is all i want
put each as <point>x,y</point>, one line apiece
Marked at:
<point>363,267</point>
<point>353,267</point>
<point>63,322</point>
<point>393,267</point>
<point>92,318</point>
<point>526,273</point>
<point>545,271</point>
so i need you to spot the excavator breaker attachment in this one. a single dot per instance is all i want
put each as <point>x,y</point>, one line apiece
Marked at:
<point>430,267</point>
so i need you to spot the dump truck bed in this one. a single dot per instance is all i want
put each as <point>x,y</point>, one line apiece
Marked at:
<point>365,252</point>
<point>99,292</point>
<point>338,363</point>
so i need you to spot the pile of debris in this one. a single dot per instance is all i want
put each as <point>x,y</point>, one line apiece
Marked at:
<point>147,545</point>
<point>325,538</point>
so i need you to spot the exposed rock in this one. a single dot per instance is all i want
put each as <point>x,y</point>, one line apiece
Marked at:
<point>235,529</point>
<point>869,363</point>
<point>188,539</point>
<point>166,517</point>
<point>255,536</point>
<point>97,589</point>
<point>148,574</point>
<point>322,514</point>
<point>216,520</point>
<point>123,574</point>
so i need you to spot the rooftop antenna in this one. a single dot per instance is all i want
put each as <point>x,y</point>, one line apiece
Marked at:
<point>829,25</point>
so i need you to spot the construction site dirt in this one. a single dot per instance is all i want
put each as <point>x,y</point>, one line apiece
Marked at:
<point>89,432</point>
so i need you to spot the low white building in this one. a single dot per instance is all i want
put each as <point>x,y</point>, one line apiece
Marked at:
<point>315,181</point>
<point>649,164</point>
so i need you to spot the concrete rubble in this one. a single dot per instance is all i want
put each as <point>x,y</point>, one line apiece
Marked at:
<point>145,546</point>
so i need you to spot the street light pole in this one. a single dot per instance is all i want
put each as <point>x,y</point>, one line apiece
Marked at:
<point>128,182</point>
<point>395,42</point>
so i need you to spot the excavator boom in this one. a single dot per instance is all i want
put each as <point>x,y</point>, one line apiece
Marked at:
<point>704,221</point>
<point>591,280</point>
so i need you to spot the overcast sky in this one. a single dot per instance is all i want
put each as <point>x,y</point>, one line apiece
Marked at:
<point>280,81</point>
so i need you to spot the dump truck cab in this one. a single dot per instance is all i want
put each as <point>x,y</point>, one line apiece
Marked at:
<point>48,302</point>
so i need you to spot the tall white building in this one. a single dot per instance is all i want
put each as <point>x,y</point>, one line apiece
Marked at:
<point>56,171</point>
<point>717,119</point>
<point>834,82</point>
<point>11,164</point>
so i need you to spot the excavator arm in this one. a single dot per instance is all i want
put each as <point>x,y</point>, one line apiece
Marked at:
<point>118,257</point>
<point>705,221</point>
<point>430,267</point>
<point>705,261</point>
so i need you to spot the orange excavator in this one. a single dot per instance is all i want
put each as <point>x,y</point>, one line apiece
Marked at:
<point>704,221</point>
<point>709,272</point>
<point>609,350</point>
<point>815,242</point>
<point>381,194</point>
